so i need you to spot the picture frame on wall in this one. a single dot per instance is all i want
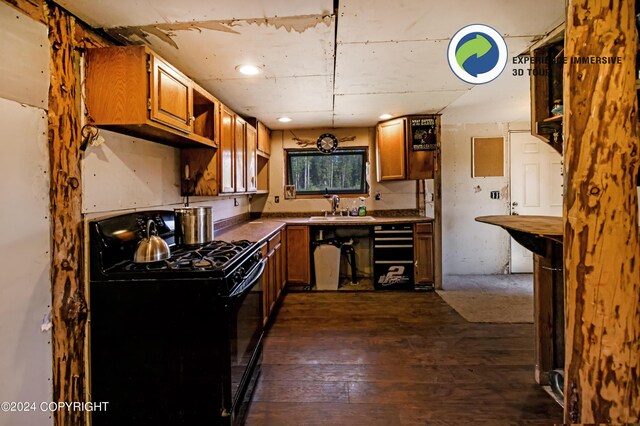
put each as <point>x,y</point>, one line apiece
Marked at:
<point>289,192</point>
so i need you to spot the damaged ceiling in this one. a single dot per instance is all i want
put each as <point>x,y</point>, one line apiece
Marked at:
<point>330,68</point>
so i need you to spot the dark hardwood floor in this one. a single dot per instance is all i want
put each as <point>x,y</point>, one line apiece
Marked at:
<point>395,358</point>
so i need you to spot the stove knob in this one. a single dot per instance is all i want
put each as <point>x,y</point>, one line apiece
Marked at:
<point>257,257</point>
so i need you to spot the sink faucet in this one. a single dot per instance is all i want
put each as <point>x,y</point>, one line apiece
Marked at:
<point>335,204</point>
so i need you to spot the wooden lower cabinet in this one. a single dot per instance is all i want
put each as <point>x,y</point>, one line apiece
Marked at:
<point>423,254</point>
<point>298,255</point>
<point>273,276</point>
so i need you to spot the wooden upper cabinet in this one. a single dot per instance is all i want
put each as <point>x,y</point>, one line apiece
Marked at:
<point>406,147</point>
<point>130,89</point>
<point>264,140</point>
<point>390,150</point>
<point>171,96</point>
<point>546,88</point>
<point>226,150</point>
<point>240,155</point>
<point>252,166</point>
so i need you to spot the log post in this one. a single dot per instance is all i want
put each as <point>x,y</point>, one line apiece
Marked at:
<point>602,278</point>
<point>69,307</point>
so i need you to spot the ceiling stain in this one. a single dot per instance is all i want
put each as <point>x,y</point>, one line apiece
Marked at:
<point>166,32</point>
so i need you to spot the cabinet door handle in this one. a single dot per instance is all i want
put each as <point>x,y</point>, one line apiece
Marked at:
<point>416,265</point>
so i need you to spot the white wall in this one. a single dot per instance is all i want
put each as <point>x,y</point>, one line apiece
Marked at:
<point>25,283</point>
<point>127,173</point>
<point>470,247</point>
<point>394,194</point>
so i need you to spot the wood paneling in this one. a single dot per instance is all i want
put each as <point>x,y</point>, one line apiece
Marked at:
<point>226,150</point>
<point>298,255</point>
<point>601,246</point>
<point>69,306</point>
<point>391,150</point>
<point>252,159</point>
<point>368,358</point>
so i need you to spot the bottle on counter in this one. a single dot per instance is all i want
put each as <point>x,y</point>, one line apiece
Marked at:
<point>362,210</point>
<point>354,209</point>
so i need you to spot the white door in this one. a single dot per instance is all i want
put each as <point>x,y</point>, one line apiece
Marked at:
<point>536,187</point>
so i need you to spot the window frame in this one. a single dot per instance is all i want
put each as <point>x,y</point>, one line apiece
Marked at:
<point>363,150</point>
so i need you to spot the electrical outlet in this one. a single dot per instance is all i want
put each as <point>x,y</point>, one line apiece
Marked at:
<point>277,199</point>
<point>235,202</point>
<point>495,195</point>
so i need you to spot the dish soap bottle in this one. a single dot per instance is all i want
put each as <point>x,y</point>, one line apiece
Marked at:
<point>354,209</point>
<point>362,210</point>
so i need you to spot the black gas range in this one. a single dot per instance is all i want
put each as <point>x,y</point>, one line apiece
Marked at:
<point>174,342</point>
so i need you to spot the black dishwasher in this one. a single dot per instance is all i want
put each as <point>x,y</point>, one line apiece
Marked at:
<point>393,257</point>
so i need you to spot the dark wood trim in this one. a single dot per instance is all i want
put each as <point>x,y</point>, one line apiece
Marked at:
<point>602,277</point>
<point>69,306</point>
<point>437,209</point>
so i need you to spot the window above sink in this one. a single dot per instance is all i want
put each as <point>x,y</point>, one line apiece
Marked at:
<point>314,173</point>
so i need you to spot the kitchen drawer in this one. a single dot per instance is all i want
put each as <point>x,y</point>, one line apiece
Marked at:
<point>424,228</point>
<point>274,241</point>
<point>264,250</point>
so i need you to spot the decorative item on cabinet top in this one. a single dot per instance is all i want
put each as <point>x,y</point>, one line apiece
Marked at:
<point>303,143</point>
<point>131,90</point>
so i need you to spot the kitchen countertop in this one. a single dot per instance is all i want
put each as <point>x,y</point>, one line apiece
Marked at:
<point>260,229</point>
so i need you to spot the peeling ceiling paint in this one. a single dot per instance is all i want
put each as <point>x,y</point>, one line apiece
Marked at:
<point>331,68</point>
<point>166,32</point>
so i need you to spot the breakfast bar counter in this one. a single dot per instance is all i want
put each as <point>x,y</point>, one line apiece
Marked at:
<point>543,236</point>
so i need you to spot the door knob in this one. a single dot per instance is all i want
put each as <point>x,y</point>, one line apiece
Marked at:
<point>514,204</point>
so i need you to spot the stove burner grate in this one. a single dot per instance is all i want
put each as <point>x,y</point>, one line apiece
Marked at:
<point>209,257</point>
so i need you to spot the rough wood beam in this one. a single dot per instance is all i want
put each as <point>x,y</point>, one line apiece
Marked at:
<point>85,38</point>
<point>69,307</point>
<point>602,381</point>
<point>33,8</point>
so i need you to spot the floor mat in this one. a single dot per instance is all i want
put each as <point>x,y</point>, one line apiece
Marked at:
<point>490,298</point>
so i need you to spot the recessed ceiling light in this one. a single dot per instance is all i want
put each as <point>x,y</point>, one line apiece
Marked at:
<point>284,119</point>
<point>248,69</point>
<point>385,116</point>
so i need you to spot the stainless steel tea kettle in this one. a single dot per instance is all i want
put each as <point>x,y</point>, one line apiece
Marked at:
<point>152,248</point>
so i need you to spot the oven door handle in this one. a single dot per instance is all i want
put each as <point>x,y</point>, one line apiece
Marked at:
<point>252,278</point>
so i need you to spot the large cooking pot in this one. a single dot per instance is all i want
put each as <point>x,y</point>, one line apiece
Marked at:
<point>194,225</point>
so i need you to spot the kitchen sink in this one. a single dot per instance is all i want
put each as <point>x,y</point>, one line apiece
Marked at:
<point>342,219</point>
